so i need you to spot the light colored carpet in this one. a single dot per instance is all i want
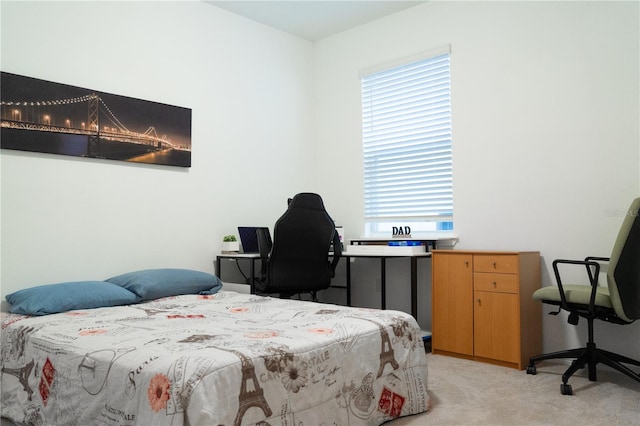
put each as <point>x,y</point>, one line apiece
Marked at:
<point>472,393</point>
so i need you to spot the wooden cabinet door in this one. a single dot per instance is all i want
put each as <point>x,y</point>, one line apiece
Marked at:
<point>497,326</point>
<point>452,312</point>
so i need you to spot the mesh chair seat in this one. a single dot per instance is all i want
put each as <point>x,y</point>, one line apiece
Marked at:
<point>576,294</point>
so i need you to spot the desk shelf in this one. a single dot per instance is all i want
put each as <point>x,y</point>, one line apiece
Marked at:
<point>431,242</point>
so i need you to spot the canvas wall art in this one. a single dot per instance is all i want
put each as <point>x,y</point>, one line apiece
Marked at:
<point>55,118</point>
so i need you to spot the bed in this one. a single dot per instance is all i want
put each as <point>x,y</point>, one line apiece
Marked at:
<point>212,358</point>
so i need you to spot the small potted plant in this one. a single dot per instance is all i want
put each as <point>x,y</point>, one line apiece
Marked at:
<point>230,244</point>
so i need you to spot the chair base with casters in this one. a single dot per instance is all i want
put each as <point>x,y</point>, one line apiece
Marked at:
<point>285,295</point>
<point>589,357</point>
<point>261,290</point>
<point>590,302</point>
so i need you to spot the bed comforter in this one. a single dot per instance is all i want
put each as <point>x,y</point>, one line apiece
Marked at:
<point>223,359</point>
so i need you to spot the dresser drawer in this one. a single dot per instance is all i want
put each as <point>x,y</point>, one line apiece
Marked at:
<point>501,283</point>
<point>501,263</point>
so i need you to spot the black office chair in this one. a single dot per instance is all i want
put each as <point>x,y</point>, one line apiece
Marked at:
<point>618,302</point>
<point>299,259</point>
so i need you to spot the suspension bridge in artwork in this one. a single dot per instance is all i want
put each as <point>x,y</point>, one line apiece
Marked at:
<point>81,116</point>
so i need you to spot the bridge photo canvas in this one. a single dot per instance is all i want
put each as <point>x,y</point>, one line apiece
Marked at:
<point>48,117</point>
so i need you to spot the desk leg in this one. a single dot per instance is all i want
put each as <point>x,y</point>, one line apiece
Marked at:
<point>348,281</point>
<point>383,282</point>
<point>218,267</point>
<point>414,287</point>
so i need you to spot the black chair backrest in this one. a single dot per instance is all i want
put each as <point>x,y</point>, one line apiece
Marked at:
<point>299,258</point>
<point>624,267</point>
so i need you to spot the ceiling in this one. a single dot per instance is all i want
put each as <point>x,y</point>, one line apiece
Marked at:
<point>313,19</point>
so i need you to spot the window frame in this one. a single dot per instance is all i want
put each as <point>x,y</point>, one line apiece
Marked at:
<point>434,142</point>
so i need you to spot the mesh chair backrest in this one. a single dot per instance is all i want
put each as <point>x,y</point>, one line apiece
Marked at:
<point>299,259</point>
<point>623,275</point>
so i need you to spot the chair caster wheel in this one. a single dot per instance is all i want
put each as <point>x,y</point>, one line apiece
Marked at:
<point>531,369</point>
<point>565,389</point>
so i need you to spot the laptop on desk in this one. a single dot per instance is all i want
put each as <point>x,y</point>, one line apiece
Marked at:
<point>249,238</point>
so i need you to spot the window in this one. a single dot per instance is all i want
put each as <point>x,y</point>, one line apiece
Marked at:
<point>406,127</point>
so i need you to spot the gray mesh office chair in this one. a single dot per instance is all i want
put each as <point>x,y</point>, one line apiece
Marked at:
<point>618,302</point>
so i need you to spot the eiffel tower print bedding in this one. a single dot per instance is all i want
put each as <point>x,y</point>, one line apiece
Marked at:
<point>222,359</point>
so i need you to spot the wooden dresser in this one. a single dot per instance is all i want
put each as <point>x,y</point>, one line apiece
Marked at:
<point>482,306</point>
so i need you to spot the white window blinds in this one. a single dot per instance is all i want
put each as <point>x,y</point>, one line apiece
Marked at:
<point>407,142</point>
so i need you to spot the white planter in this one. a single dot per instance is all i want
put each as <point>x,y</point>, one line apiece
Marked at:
<point>230,246</point>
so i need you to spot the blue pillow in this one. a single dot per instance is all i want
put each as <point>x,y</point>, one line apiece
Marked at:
<point>62,297</point>
<point>152,284</point>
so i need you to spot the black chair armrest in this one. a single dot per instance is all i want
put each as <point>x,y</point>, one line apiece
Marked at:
<point>264,247</point>
<point>592,265</point>
<point>337,253</point>
<point>597,259</point>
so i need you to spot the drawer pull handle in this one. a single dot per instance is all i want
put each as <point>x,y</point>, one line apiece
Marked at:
<point>479,302</point>
<point>494,265</point>
<point>495,284</point>
<point>466,263</point>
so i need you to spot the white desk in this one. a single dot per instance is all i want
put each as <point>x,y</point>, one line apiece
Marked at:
<point>383,274</point>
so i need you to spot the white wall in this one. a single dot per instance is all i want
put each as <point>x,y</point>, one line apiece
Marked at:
<point>545,127</point>
<point>545,116</point>
<point>249,88</point>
